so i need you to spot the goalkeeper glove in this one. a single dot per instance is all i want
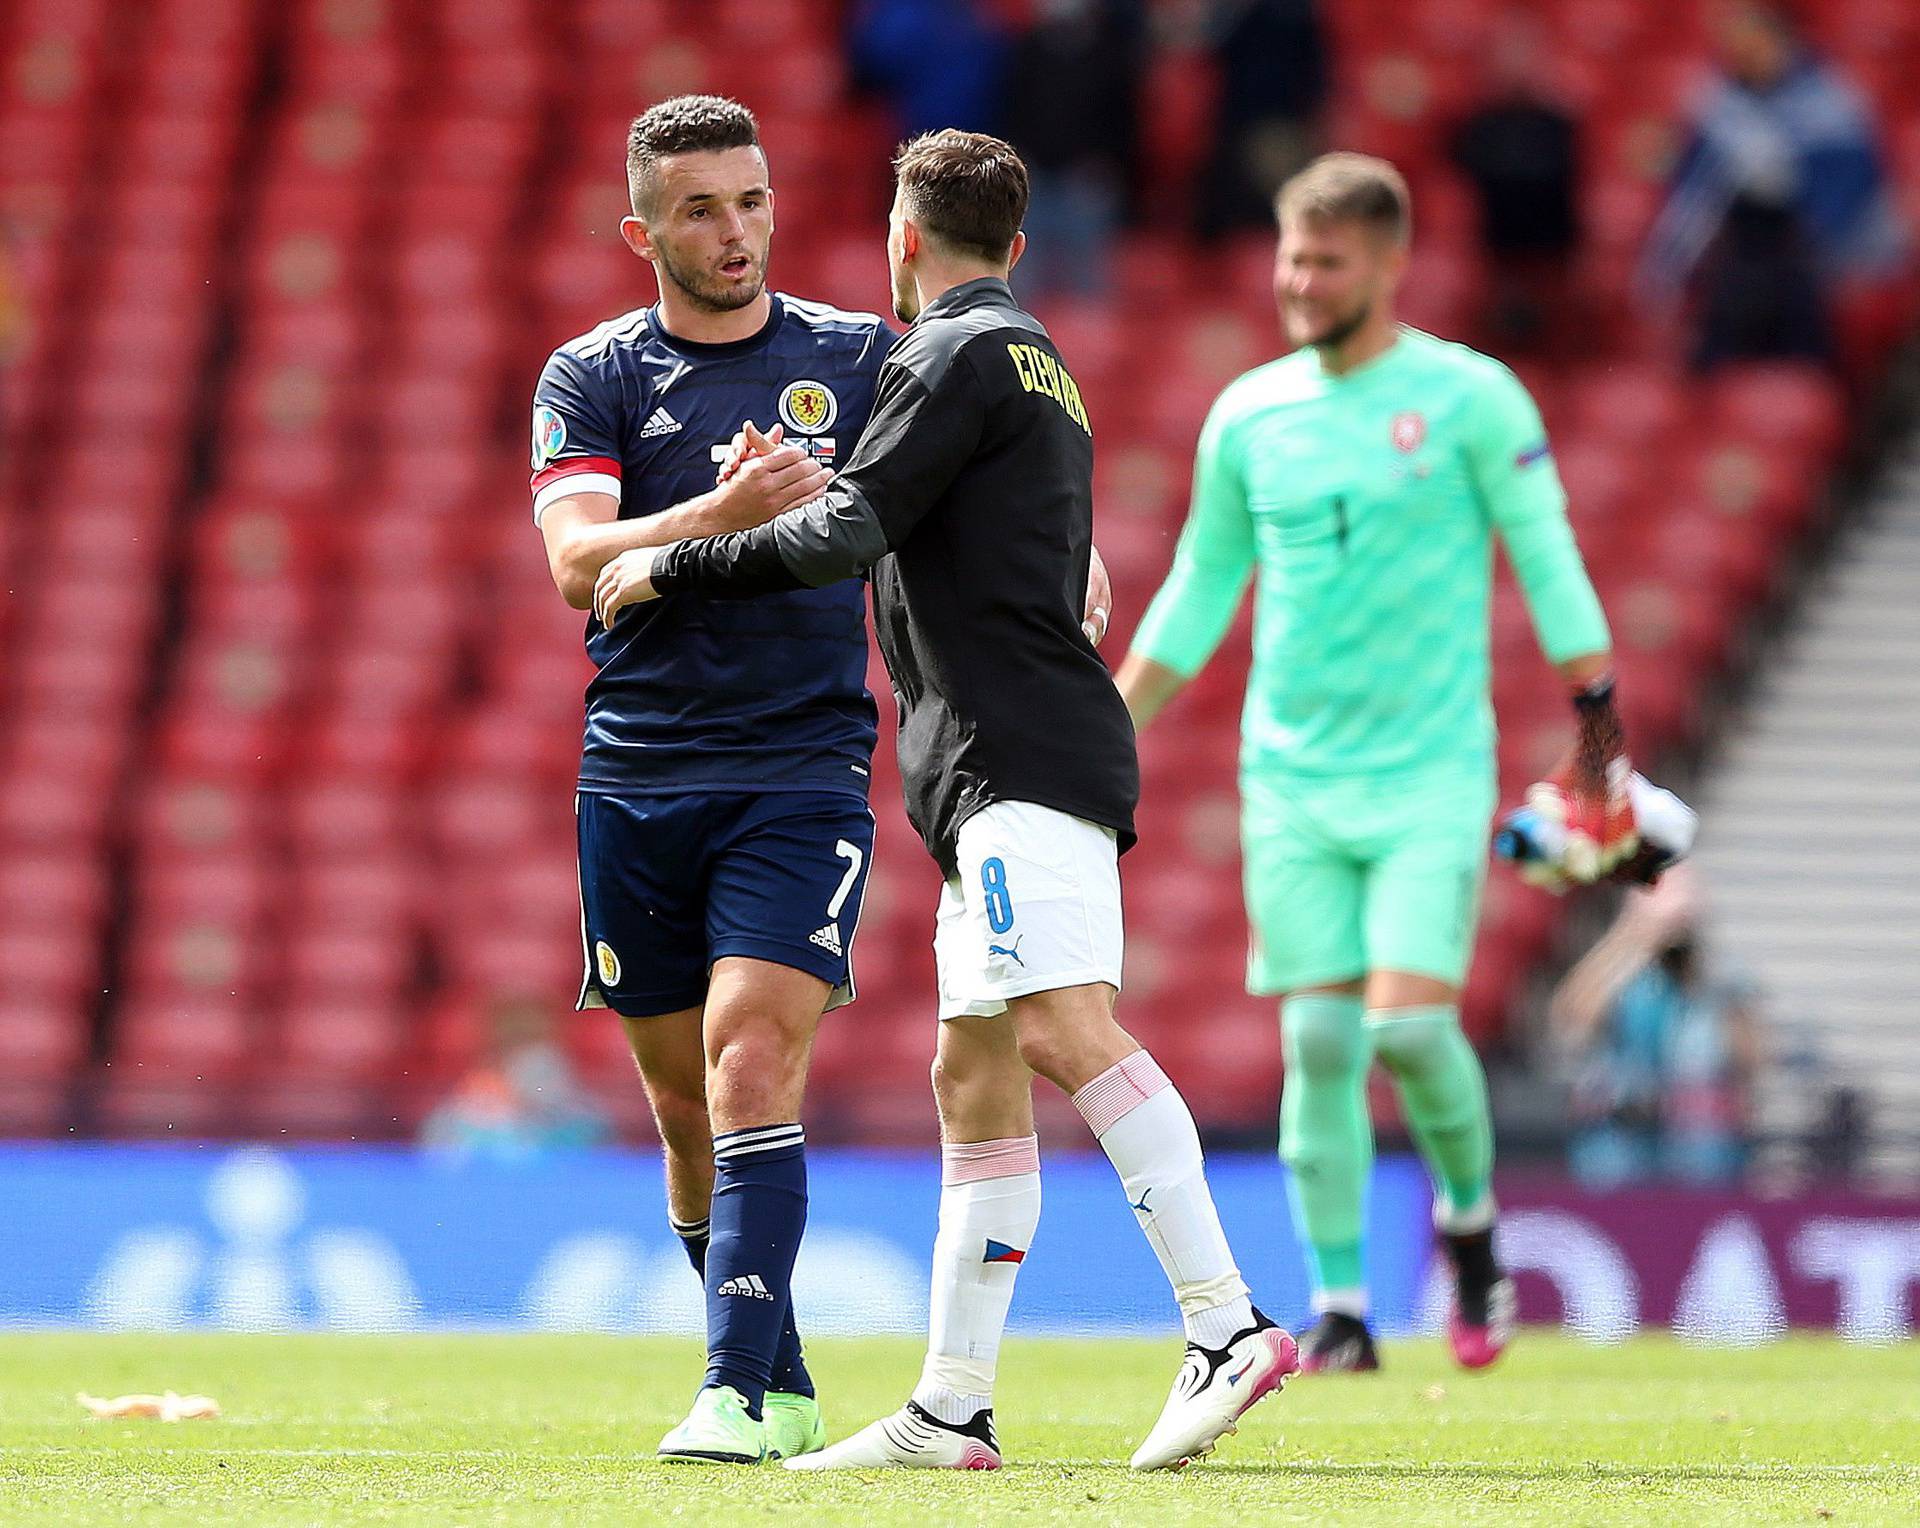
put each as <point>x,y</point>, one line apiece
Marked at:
<point>1588,795</point>
<point>1536,843</point>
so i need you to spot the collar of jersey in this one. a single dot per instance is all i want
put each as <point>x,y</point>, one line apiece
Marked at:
<point>966,295</point>
<point>776,312</point>
<point>1378,366</point>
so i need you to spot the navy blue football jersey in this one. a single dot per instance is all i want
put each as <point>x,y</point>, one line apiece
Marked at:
<point>695,693</point>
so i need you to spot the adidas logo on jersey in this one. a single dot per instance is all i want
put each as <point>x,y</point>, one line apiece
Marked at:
<point>747,1284</point>
<point>659,422</point>
<point>828,938</point>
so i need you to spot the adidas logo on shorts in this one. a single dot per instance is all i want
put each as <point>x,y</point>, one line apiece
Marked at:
<point>828,938</point>
<point>747,1284</point>
<point>659,422</point>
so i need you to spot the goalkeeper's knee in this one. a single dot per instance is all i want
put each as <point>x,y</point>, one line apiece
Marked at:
<point>1322,1037</point>
<point>1324,1045</point>
<point>1415,1042</point>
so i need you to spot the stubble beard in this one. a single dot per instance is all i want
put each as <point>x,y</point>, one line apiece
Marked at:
<point>1343,329</point>
<point>710,294</point>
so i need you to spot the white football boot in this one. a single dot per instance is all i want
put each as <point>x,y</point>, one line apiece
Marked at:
<point>1214,1387</point>
<point>911,1439</point>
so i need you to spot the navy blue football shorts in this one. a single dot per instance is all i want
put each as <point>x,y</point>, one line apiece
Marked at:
<point>672,882</point>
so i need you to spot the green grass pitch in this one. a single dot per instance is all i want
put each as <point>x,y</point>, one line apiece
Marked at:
<point>558,1430</point>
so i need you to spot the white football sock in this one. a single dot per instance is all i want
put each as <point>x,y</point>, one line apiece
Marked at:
<point>1147,1132</point>
<point>989,1206</point>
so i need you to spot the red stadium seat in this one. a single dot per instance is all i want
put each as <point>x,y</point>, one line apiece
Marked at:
<point>43,889</point>
<point>136,1103</point>
<point>57,965</point>
<point>41,1041</point>
<point>199,1036</point>
<point>344,819</point>
<point>365,964</point>
<point>360,894</point>
<point>374,749</point>
<point>40,810</point>
<point>190,820</point>
<point>357,1039</point>
<point>195,962</point>
<point>100,680</point>
<point>326,709</point>
<point>1628,409</point>
<point>289,1101</point>
<point>1782,406</point>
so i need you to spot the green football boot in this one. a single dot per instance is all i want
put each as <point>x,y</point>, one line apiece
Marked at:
<point>794,1426</point>
<point>717,1431</point>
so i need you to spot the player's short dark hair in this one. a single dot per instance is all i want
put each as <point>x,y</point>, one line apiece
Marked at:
<point>966,190</point>
<point>1349,188</point>
<point>687,124</point>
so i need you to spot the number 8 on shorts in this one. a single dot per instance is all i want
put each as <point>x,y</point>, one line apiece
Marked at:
<point>993,879</point>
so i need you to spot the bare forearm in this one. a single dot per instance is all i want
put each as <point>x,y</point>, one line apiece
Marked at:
<point>1146,687</point>
<point>591,547</point>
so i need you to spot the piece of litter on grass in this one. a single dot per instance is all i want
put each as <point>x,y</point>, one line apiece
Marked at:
<point>1435,1392</point>
<point>171,1407</point>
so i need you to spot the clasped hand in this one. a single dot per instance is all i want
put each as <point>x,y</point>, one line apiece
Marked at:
<point>759,478</point>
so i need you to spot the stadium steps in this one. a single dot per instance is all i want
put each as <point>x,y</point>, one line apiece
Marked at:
<point>1812,833</point>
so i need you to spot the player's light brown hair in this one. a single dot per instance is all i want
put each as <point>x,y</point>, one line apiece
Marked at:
<point>966,190</point>
<point>1349,188</point>
<point>688,124</point>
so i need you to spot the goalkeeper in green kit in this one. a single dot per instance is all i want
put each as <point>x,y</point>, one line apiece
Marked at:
<point>1360,482</point>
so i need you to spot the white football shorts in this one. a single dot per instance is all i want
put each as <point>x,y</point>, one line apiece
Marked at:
<point>1036,907</point>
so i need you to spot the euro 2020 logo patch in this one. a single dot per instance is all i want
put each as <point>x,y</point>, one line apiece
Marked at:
<point>549,436</point>
<point>1409,430</point>
<point>808,408</point>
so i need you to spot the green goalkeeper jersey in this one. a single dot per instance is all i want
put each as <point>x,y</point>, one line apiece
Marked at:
<point>1366,503</point>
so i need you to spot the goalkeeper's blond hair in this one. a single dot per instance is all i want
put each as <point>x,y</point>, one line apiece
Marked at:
<point>1349,188</point>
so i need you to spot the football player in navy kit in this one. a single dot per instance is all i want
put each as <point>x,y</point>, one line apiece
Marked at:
<point>970,496</point>
<point>724,833</point>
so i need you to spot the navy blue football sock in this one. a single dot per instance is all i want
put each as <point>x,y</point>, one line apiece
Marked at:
<point>693,1237</point>
<point>759,1214</point>
<point>789,1366</point>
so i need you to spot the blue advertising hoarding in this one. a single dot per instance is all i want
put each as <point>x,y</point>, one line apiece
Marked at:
<point>393,1239</point>
<point>373,1239</point>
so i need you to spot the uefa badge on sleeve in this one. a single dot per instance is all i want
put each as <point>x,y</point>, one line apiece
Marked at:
<point>549,435</point>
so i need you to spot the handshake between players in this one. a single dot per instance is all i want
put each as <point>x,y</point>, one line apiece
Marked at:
<point>782,476</point>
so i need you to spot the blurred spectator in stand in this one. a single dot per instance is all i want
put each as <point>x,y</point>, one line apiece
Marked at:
<point>522,1101</point>
<point>1667,1048</point>
<point>1072,84</point>
<point>1520,149</point>
<point>1272,59</point>
<point>938,63</point>
<point>1780,192</point>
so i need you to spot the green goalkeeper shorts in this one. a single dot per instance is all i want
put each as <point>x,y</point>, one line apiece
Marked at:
<point>1363,873</point>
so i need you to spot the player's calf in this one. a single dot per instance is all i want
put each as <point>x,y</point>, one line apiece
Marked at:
<point>1235,1356</point>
